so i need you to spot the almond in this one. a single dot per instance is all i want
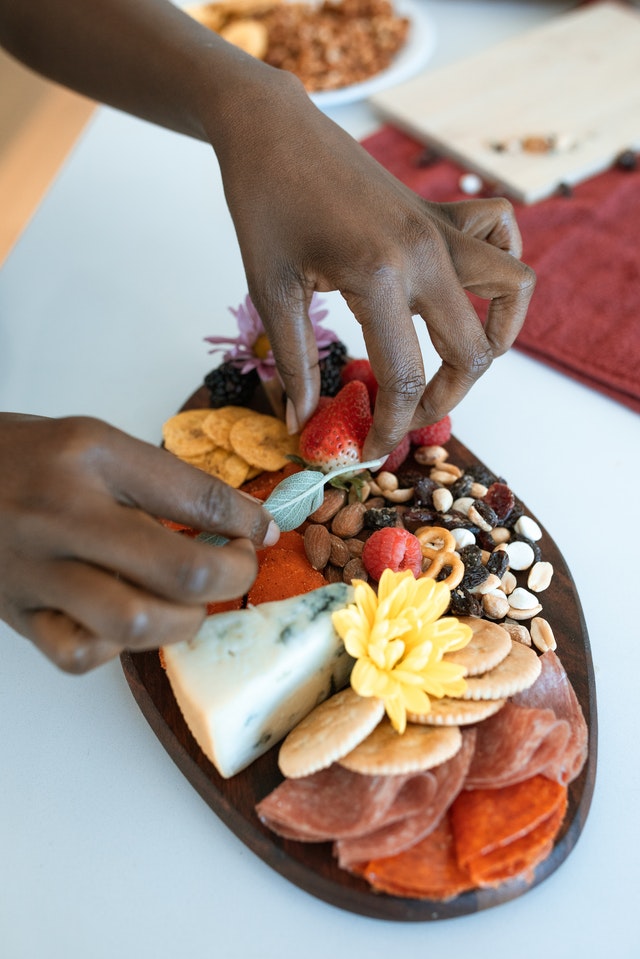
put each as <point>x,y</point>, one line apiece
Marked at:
<point>355,547</point>
<point>354,570</point>
<point>340,554</point>
<point>334,499</point>
<point>349,520</point>
<point>317,545</point>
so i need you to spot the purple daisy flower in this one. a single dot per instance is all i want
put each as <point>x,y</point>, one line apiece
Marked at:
<point>251,350</point>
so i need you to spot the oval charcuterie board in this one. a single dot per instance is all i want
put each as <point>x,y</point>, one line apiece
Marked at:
<point>312,866</point>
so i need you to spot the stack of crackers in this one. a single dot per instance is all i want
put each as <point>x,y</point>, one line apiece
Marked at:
<point>353,731</point>
<point>232,443</point>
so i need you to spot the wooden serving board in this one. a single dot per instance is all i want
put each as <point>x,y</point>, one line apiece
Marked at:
<point>576,78</point>
<point>311,866</point>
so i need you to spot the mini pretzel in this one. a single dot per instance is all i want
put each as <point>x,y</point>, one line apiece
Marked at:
<point>440,555</point>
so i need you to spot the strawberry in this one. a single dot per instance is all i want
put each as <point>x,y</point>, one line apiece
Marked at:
<point>361,370</point>
<point>335,435</point>
<point>433,435</point>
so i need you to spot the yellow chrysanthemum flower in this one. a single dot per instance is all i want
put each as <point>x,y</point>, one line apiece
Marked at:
<point>398,639</point>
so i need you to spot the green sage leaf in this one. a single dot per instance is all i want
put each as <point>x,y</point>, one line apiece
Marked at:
<point>296,497</point>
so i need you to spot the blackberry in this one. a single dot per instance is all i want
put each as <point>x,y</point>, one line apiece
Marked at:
<point>229,387</point>
<point>331,368</point>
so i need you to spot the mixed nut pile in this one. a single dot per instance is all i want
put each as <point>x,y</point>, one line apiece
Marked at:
<point>472,529</point>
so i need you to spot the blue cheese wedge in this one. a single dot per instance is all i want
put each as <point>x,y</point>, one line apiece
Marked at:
<point>249,676</point>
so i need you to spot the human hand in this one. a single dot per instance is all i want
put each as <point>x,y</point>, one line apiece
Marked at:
<point>314,211</point>
<point>86,570</point>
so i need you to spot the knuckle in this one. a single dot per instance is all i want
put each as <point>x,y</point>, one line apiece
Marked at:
<point>479,359</point>
<point>405,387</point>
<point>134,623</point>
<point>214,504</point>
<point>78,658</point>
<point>527,281</point>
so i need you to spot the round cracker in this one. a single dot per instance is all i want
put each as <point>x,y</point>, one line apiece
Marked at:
<point>218,423</point>
<point>516,672</point>
<point>488,646</point>
<point>263,441</point>
<point>387,753</point>
<point>457,712</point>
<point>183,434</point>
<point>330,731</point>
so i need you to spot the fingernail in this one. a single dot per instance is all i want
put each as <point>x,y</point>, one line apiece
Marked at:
<point>272,535</point>
<point>292,418</point>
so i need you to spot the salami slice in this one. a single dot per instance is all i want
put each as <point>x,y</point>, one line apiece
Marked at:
<point>496,831</point>
<point>553,690</point>
<point>515,744</point>
<point>330,804</point>
<point>401,832</point>
<point>428,870</point>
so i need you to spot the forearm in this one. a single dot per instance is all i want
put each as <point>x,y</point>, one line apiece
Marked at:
<point>145,57</point>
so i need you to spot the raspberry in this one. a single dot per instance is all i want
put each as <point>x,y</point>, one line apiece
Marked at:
<point>392,548</point>
<point>436,434</point>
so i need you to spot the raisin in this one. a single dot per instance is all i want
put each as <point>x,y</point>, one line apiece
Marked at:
<point>486,513</point>
<point>417,516</point>
<point>444,572</point>
<point>480,474</point>
<point>471,555</point>
<point>464,603</point>
<point>498,563</point>
<point>380,518</point>
<point>408,477</point>
<point>423,492</point>
<point>462,486</point>
<point>474,575</point>
<point>500,499</point>
<point>517,511</point>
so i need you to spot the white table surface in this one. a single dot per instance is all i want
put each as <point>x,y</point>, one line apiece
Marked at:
<point>105,849</point>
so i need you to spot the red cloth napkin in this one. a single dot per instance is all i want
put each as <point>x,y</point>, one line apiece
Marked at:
<point>584,319</point>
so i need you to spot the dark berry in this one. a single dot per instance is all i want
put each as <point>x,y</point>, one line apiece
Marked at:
<point>464,603</point>
<point>229,387</point>
<point>498,563</point>
<point>331,368</point>
<point>474,575</point>
<point>380,518</point>
<point>501,500</point>
<point>423,492</point>
<point>485,512</point>
<point>627,160</point>
<point>462,486</point>
<point>471,555</point>
<point>480,474</point>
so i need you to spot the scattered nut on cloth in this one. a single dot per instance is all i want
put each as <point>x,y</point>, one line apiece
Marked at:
<point>583,319</point>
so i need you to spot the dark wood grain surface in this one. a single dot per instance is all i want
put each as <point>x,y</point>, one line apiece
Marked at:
<point>311,866</point>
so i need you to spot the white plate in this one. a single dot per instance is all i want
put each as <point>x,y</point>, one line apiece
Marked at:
<point>417,51</point>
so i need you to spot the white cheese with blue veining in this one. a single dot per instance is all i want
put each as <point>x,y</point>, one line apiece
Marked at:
<point>249,676</point>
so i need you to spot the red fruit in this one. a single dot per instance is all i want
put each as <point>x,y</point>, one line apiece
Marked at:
<point>397,457</point>
<point>433,435</point>
<point>501,500</point>
<point>335,435</point>
<point>361,370</point>
<point>392,548</point>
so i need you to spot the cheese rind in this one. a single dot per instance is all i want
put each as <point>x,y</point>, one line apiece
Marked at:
<point>249,676</point>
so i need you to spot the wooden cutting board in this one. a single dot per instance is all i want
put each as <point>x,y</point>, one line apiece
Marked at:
<point>574,82</point>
